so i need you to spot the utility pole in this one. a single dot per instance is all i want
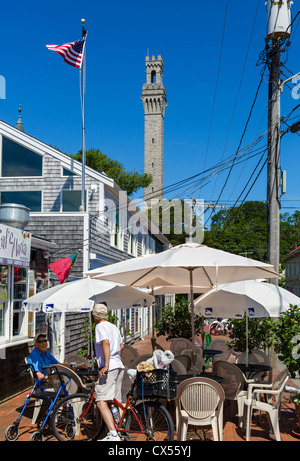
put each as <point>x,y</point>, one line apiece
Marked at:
<point>278,29</point>
<point>273,174</point>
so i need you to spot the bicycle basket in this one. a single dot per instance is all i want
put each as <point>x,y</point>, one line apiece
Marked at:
<point>156,383</point>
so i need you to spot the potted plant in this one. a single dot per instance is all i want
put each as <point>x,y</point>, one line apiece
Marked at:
<point>176,322</point>
<point>295,399</point>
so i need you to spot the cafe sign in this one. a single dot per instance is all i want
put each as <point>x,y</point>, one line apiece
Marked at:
<point>15,246</point>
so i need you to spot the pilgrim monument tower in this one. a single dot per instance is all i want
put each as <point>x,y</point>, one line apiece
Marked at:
<point>154,102</point>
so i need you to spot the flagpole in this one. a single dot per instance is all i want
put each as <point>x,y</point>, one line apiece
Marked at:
<point>82,71</point>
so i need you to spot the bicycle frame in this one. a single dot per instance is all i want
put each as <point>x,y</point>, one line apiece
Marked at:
<point>124,411</point>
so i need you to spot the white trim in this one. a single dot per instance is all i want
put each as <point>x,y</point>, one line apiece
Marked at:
<point>6,345</point>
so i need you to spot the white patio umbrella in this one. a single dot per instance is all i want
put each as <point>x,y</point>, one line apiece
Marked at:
<point>251,297</point>
<point>81,295</point>
<point>190,264</point>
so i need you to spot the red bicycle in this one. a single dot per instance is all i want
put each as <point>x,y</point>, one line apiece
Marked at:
<point>76,417</point>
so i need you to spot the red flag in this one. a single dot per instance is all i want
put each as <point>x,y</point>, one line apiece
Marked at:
<point>63,266</point>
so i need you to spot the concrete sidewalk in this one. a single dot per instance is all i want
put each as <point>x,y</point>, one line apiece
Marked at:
<point>290,430</point>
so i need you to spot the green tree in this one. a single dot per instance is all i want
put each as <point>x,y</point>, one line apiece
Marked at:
<point>129,181</point>
<point>175,322</point>
<point>243,230</point>
<point>260,334</point>
<point>287,339</point>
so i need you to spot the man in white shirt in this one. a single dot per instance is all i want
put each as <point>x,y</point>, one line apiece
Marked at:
<point>108,346</point>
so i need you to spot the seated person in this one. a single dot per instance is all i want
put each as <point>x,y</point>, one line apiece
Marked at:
<point>41,357</point>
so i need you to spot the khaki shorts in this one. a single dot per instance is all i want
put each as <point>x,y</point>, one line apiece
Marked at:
<point>110,386</point>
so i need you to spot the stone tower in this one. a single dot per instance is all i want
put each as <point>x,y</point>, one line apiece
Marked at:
<point>154,102</point>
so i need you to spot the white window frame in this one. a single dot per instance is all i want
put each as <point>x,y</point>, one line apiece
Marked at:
<point>9,338</point>
<point>117,219</point>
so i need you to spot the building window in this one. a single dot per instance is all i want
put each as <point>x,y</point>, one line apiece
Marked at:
<point>13,290</point>
<point>132,244</point>
<point>66,172</point>
<point>31,199</point>
<point>19,294</point>
<point>3,301</point>
<point>116,236</point>
<point>71,200</point>
<point>18,161</point>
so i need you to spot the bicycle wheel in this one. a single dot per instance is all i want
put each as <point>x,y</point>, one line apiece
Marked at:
<point>156,420</point>
<point>76,418</point>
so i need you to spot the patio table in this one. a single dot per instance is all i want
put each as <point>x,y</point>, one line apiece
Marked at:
<point>211,352</point>
<point>252,369</point>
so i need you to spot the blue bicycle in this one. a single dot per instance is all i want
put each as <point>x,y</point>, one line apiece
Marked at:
<point>39,392</point>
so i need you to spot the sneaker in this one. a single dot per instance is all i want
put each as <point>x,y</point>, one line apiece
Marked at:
<point>110,438</point>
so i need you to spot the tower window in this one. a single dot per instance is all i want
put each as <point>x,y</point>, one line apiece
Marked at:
<point>152,165</point>
<point>152,140</point>
<point>153,76</point>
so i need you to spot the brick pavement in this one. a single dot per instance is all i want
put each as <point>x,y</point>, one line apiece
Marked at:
<point>290,429</point>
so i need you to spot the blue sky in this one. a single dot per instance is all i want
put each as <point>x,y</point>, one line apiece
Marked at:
<point>188,35</point>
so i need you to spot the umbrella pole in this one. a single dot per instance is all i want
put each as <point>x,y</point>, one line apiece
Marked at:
<point>153,339</point>
<point>247,344</point>
<point>193,321</point>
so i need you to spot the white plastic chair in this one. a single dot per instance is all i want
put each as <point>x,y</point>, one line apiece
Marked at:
<point>271,407</point>
<point>234,384</point>
<point>199,402</point>
<point>179,344</point>
<point>257,356</point>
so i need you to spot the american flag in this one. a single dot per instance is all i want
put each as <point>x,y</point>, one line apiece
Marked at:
<point>71,52</point>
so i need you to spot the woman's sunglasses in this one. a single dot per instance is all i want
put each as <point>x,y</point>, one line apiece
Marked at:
<point>40,341</point>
